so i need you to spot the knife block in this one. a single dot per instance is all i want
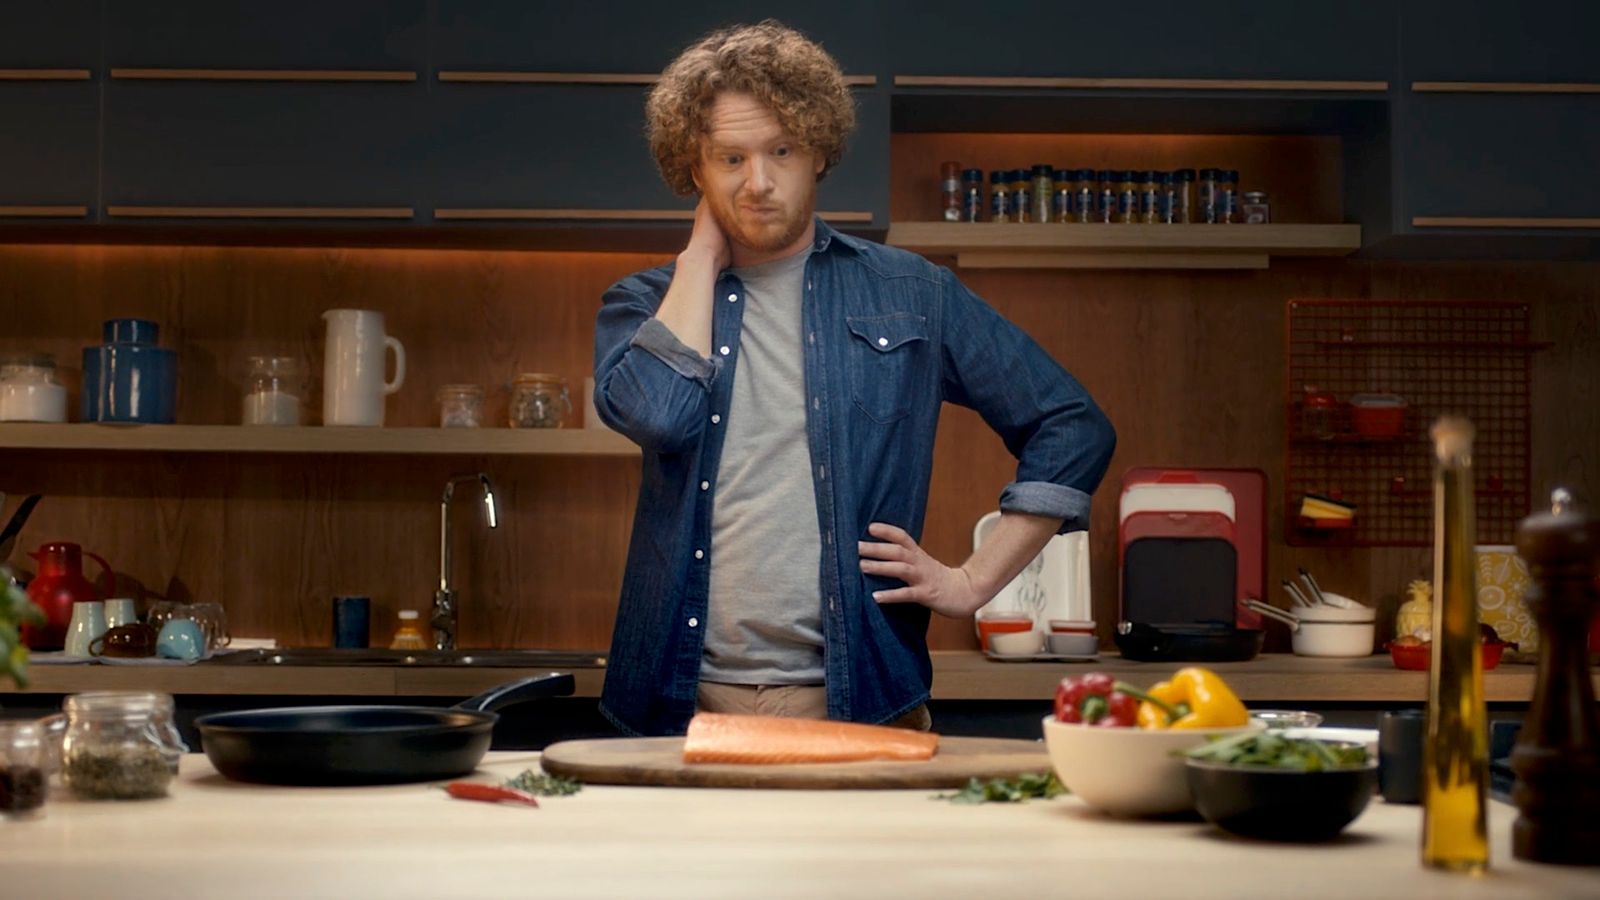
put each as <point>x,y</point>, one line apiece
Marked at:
<point>1557,757</point>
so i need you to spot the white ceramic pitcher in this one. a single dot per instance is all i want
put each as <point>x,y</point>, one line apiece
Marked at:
<point>353,388</point>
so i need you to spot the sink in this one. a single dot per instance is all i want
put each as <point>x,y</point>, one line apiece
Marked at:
<point>505,659</point>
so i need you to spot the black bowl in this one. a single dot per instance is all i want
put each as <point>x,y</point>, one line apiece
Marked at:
<point>1280,804</point>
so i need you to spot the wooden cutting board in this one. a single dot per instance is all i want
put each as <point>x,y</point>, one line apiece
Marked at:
<point>659,761</point>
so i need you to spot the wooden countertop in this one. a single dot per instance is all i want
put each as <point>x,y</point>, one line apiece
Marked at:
<point>215,838</point>
<point>957,675</point>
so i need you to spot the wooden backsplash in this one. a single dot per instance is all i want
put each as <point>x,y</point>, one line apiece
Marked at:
<point>1189,365</point>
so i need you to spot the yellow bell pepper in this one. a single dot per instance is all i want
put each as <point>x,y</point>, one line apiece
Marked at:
<point>1194,698</point>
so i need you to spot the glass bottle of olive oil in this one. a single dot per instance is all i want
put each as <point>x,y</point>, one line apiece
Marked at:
<point>1456,753</point>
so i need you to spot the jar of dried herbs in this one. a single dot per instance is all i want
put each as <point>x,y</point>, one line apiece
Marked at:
<point>539,400</point>
<point>22,775</point>
<point>120,745</point>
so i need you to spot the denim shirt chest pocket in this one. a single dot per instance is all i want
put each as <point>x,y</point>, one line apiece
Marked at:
<point>887,353</point>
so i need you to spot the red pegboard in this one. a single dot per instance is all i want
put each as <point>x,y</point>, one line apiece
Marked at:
<point>1467,358</point>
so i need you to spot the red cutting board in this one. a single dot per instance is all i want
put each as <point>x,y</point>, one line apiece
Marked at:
<point>659,761</point>
<point>1249,489</point>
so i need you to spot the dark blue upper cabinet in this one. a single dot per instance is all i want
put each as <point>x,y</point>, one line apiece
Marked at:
<point>49,35</point>
<point>1499,155</point>
<point>1497,40</point>
<point>635,37</point>
<point>49,144</point>
<point>262,144</point>
<point>281,34</point>
<point>1244,39</point>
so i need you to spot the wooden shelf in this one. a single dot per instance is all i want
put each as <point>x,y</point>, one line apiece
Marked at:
<point>312,439</point>
<point>1008,245</point>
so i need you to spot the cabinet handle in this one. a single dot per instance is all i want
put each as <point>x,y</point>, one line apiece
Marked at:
<point>1504,87</point>
<point>45,75</point>
<point>263,75</point>
<point>261,212</point>
<point>507,77</point>
<point>44,212</point>
<point>1193,84</point>
<point>1502,222</point>
<point>614,215</point>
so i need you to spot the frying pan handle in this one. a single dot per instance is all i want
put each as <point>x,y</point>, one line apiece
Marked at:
<point>539,687</point>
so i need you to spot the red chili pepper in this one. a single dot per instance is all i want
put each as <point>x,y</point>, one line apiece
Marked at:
<point>489,793</point>
<point>1096,699</point>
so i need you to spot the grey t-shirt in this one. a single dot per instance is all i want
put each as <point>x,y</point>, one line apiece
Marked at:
<point>765,611</point>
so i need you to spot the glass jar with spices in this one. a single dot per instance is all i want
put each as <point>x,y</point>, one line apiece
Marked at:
<point>120,745</point>
<point>272,390</point>
<point>22,767</point>
<point>950,190</point>
<point>1065,191</point>
<point>1021,196</point>
<point>972,195</point>
<point>1209,185</point>
<point>1083,201</point>
<point>1182,196</point>
<point>29,391</point>
<point>460,406</point>
<point>1044,191</point>
<point>1127,198</point>
<point>1106,193</point>
<point>1255,210</point>
<point>539,400</point>
<point>999,197</point>
<point>1149,196</point>
<point>1228,196</point>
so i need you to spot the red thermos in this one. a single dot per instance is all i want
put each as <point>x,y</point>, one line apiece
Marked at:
<point>59,584</point>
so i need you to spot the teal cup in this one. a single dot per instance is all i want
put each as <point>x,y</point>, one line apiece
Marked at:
<point>181,639</point>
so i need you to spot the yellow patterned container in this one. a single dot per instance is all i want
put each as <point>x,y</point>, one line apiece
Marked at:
<point>1502,580</point>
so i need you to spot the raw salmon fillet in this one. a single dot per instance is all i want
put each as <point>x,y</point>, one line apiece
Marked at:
<point>722,738</point>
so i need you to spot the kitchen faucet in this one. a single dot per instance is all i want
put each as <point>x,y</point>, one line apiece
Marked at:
<point>444,599</point>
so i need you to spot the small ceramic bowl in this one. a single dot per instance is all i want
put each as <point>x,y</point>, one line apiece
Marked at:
<point>1072,626</point>
<point>1418,657</point>
<point>1016,643</point>
<point>1280,804</point>
<point>1072,644</point>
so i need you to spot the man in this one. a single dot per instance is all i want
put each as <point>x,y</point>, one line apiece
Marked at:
<point>784,382</point>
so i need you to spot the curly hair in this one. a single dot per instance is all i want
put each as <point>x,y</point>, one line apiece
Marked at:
<point>777,65</point>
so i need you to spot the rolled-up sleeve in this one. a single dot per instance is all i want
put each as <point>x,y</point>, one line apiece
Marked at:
<point>1061,438</point>
<point>648,384</point>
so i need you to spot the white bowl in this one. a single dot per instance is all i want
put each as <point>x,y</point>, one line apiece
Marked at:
<point>1016,643</point>
<point>1127,771</point>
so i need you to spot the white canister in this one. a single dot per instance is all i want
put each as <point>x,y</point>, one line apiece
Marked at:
<point>272,390</point>
<point>353,386</point>
<point>120,611</point>
<point>88,622</point>
<point>28,390</point>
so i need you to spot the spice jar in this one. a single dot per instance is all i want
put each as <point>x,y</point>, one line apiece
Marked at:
<point>1182,196</point>
<point>539,400</point>
<point>460,406</point>
<point>272,391</point>
<point>120,745</point>
<point>1021,195</point>
<point>1044,191</point>
<point>22,767</point>
<point>1255,209</point>
<point>972,195</point>
<point>29,391</point>
<point>950,190</point>
<point>1318,413</point>
<point>999,197</point>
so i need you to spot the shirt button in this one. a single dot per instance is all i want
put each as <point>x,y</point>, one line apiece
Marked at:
<point>699,554</point>
<point>723,350</point>
<point>693,622</point>
<point>733,298</point>
<point>822,471</point>
<point>833,604</point>
<point>812,337</point>
<point>883,342</point>
<point>705,485</point>
<point>715,418</point>
<point>816,402</point>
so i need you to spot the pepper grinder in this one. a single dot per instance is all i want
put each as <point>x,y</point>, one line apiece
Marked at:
<point>1557,757</point>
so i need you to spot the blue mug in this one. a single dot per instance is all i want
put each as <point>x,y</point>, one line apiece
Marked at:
<point>181,639</point>
<point>129,378</point>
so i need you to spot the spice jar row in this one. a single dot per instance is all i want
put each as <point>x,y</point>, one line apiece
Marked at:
<point>1046,194</point>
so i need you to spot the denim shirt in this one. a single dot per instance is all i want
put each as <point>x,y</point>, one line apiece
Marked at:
<point>888,338</point>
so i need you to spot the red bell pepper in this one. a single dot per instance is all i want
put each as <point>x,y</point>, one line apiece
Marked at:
<point>1096,699</point>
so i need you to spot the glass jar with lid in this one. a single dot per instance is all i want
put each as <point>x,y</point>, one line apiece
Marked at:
<point>460,406</point>
<point>272,390</point>
<point>120,745</point>
<point>29,391</point>
<point>539,400</point>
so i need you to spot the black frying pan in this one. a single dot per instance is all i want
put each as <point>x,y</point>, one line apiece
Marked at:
<point>318,745</point>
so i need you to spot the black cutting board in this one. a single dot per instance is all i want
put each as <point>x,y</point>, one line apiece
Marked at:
<point>1179,580</point>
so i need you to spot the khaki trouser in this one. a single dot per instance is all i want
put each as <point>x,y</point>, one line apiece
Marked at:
<point>798,701</point>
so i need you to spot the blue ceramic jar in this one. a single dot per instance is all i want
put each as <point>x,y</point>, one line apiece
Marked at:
<point>129,378</point>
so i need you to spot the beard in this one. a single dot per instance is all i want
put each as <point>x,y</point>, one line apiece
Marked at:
<point>767,236</point>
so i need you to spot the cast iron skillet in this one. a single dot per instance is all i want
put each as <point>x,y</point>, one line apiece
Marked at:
<point>1189,642</point>
<point>324,745</point>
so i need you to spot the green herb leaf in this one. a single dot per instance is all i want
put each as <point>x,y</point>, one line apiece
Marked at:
<point>541,785</point>
<point>1032,785</point>
<point>1272,750</point>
